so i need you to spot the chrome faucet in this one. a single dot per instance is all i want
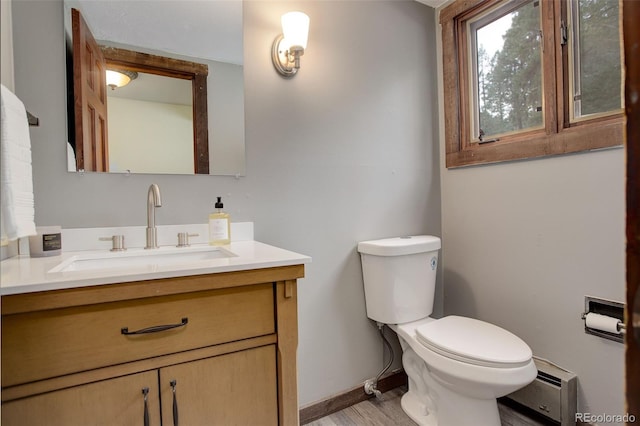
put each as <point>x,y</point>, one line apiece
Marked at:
<point>153,201</point>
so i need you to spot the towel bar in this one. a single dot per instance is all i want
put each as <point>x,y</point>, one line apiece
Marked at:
<point>32,119</point>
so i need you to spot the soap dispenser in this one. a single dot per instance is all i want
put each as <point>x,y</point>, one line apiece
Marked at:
<point>219,226</point>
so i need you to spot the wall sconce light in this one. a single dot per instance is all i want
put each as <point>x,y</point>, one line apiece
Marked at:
<point>289,46</point>
<point>120,78</point>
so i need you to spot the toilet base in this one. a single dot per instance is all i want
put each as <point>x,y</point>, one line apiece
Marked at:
<point>414,408</point>
<point>449,413</point>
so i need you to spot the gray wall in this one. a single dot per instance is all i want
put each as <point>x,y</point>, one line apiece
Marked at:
<point>345,151</point>
<point>6,46</point>
<point>524,242</point>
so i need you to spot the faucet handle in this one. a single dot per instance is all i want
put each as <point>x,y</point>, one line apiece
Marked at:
<point>183,239</point>
<point>117,242</point>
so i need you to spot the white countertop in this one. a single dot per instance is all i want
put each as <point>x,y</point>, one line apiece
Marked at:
<point>24,274</point>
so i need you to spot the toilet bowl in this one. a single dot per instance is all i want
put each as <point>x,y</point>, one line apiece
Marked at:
<point>456,366</point>
<point>460,378</point>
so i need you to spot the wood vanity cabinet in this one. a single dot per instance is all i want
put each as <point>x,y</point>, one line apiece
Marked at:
<point>216,349</point>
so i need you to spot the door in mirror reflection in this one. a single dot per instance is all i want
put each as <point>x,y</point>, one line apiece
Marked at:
<point>89,85</point>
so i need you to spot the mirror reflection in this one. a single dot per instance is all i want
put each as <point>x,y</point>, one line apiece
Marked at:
<point>157,113</point>
<point>136,140</point>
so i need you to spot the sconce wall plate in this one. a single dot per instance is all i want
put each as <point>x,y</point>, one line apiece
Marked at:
<point>281,58</point>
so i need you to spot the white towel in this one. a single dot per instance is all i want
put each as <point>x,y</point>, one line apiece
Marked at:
<point>71,159</point>
<point>16,180</point>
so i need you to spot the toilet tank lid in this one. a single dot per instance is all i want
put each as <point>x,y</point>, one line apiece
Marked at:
<point>399,246</point>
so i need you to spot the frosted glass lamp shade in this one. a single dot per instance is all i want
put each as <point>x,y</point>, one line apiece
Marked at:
<point>120,78</point>
<point>116,79</point>
<point>295,28</point>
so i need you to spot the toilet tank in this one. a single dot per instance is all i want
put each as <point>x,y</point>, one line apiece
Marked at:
<point>399,277</point>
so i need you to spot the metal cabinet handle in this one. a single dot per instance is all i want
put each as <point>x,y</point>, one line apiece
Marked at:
<point>145,418</point>
<point>175,403</point>
<point>155,328</point>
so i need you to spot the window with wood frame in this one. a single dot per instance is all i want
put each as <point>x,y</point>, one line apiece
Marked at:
<point>530,78</point>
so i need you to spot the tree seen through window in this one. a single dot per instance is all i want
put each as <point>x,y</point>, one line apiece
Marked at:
<point>510,78</point>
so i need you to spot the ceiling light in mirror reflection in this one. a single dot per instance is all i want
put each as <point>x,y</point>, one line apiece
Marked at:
<point>120,78</point>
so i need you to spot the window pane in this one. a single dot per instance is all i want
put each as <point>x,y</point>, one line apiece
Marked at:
<point>508,71</point>
<point>597,68</point>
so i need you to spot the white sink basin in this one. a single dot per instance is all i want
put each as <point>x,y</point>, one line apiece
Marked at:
<point>153,259</point>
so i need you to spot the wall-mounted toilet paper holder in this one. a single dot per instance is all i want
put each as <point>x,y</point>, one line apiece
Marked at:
<point>604,318</point>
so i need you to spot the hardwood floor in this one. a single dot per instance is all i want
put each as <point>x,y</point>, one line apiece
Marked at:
<point>389,413</point>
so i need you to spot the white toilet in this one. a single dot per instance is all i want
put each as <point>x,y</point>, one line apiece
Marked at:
<point>457,366</point>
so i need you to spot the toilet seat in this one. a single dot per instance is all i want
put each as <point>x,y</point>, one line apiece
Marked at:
<point>474,342</point>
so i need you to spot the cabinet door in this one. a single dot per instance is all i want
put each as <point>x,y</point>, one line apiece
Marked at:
<point>111,402</point>
<point>234,389</point>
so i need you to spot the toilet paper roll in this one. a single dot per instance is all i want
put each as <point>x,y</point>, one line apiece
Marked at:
<point>602,323</point>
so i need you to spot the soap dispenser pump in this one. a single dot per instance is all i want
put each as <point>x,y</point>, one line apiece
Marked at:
<point>219,225</point>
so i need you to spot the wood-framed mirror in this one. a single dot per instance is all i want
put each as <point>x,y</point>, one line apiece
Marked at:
<point>208,33</point>
<point>90,62</point>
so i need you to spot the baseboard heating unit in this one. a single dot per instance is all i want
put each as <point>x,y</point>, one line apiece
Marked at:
<point>553,394</point>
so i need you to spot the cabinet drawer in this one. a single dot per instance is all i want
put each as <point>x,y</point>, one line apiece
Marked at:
<point>53,343</point>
